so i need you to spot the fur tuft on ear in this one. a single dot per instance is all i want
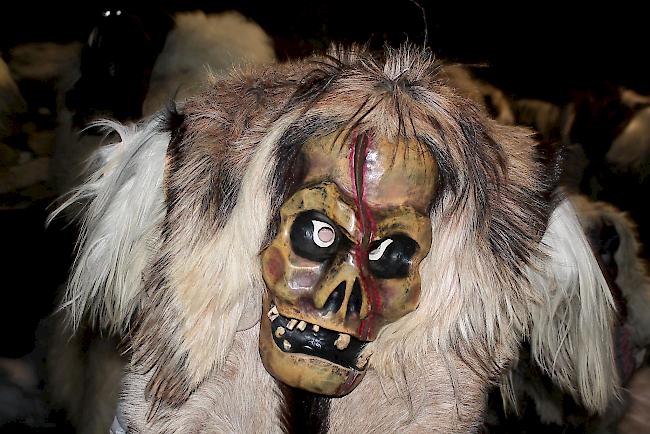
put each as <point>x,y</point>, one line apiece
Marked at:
<point>571,334</point>
<point>122,204</point>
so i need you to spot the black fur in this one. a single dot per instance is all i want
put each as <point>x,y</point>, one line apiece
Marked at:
<point>304,412</point>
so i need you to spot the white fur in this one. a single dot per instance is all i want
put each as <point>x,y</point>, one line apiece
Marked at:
<point>571,333</point>
<point>219,283</point>
<point>122,213</point>
<point>125,203</point>
<point>240,398</point>
<point>633,278</point>
<point>469,302</point>
<point>634,283</point>
<point>201,44</point>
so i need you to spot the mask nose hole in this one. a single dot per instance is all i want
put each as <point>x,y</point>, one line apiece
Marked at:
<point>335,300</point>
<point>354,303</point>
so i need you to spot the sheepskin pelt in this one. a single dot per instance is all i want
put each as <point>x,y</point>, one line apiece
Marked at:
<point>201,44</point>
<point>181,206</point>
<point>538,399</point>
<point>85,371</point>
<point>614,236</point>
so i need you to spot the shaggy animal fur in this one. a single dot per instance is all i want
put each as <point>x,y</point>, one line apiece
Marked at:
<point>508,257</point>
<point>613,236</point>
<point>203,44</point>
<point>493,100</point>
<point>199,46</point>
<point>630,272</point>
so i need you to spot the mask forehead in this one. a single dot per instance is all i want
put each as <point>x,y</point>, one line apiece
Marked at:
<point>387,175</point>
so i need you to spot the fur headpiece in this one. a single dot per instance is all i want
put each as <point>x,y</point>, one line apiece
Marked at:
<point>179,209</point>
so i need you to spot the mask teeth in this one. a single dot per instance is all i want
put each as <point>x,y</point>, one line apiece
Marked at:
<point>273,313</point>
<point>342,341</point>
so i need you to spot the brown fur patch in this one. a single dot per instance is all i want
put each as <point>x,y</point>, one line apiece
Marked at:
<point>236,156</point>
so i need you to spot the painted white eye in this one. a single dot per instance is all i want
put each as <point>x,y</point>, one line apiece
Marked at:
<point>118,13</point>
<point>106,13</point>
<point>324,234</point>
<point>379,251</point>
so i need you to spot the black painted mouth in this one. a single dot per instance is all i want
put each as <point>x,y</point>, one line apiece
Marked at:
<point>321,343</point>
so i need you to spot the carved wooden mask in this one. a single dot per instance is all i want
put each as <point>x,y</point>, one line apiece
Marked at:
<point>345,260</point>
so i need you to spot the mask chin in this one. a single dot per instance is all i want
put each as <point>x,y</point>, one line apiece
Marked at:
<point>287,364</point>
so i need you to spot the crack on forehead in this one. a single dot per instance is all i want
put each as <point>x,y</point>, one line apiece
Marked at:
<point>359,147</point>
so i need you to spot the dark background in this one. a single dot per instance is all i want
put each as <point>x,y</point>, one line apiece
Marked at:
<point>537,49</point>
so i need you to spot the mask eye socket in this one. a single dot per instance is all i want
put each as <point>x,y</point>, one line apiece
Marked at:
<point>314,236</point>
<point>391,257</point>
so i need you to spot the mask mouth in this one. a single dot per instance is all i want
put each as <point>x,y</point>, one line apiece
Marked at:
<point>292,335</point>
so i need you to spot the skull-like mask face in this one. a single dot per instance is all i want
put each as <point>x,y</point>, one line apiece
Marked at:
<point>345,259</point>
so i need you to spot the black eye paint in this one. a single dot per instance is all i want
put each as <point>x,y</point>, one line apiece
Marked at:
<point>396,258</point>
<point>303,237</point>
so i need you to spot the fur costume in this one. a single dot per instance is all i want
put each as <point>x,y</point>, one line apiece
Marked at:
<point>184,211</point>
<point>538,400</point>
<point>612,127</point>
<point>84,372</point>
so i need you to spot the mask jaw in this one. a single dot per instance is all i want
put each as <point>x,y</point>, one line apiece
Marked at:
<point>302,371</point>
